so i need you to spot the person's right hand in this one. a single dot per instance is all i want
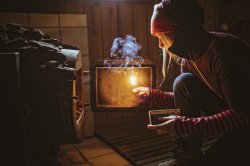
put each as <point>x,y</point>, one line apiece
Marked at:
<point>141,93</point>
<point>168,126</point>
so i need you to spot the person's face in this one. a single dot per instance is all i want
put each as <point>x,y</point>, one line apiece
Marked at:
<point>165,39</point>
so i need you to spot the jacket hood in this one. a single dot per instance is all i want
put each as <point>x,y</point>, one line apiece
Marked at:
<point>187,18</point>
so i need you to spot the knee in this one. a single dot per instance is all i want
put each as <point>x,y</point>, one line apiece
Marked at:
<point>184,82</point>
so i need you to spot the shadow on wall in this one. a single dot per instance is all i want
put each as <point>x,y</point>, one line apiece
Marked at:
<point>242,29</point>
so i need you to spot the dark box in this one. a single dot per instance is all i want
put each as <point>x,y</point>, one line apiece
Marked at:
<point>111,87</point>
<point>155,114</point>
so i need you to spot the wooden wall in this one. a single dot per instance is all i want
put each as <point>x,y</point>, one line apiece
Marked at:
<point>108,19</point>
<point>231,14</point>
<point>235,14</point>
<point>111,19</point>
<point>43,6</point>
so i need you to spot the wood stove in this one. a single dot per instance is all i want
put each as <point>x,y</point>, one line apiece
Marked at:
<point>43,77</point>
<point>52,103</point>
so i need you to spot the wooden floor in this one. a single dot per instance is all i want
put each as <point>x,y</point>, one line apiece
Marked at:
<point>91,152</point>
<point>139,145</point>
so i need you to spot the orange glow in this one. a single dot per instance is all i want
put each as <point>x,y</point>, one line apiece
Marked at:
<point>114,85</point>
<point>133,80</point>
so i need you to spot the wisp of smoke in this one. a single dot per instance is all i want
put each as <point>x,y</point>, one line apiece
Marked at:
<point>124,51</point>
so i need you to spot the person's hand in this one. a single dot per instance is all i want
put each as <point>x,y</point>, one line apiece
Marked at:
<point>141,93</point>
<point>167,127</point>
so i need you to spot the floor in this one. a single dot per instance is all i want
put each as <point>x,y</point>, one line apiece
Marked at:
<point>129,137</point>
<point>139,145</point>
<point>91,152</point>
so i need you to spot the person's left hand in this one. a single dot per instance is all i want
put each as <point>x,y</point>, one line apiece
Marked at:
<point>167,127</point>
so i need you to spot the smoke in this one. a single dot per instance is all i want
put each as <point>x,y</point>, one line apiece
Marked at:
<point>124,52</point>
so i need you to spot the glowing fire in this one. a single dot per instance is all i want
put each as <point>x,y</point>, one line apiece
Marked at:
<point>133,80</point>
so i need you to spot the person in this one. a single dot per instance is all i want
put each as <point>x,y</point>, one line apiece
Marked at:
<point>212,91</point>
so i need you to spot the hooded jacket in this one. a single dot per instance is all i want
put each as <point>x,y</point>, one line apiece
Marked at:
<point>219,60</point>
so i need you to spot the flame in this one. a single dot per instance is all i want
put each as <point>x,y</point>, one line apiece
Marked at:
<point>133,80</point>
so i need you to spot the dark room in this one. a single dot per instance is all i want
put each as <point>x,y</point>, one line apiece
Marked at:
<point>125,82</point>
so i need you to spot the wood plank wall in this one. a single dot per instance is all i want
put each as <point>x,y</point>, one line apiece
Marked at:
<point>111,19</point>
<point>235,14</point>
<point>115,18</point>
<point>108,19</point>
<point>43,6</point>
<point>231,14</point>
